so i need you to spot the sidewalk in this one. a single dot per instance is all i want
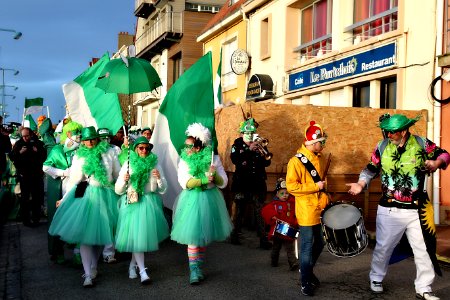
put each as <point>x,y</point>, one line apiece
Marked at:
<point>10,261</point>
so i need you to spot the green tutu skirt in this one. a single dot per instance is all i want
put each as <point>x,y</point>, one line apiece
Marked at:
<point>200,217</point>
<point>89,220</point>
<point>142,225</point>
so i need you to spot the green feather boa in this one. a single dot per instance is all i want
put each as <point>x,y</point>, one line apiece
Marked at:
<point>198,162</point>
<point>93,164</point>
<point>142,167</point>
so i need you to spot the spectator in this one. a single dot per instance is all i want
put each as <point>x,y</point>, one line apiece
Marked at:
<point>147,132</point>
<point>28,156</point>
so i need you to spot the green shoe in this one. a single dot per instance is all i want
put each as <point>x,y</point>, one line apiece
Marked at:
<point>193,277</point>
<point>201,277</point>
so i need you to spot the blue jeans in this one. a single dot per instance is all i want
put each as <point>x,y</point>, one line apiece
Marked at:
<point>311,244</point>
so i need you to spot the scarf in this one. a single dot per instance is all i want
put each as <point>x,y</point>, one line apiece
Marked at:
<point>93,164</point>
<point>142,167</point>
<point>198,162</point>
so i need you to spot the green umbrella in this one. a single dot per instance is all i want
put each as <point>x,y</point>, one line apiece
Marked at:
<point>128,76</point>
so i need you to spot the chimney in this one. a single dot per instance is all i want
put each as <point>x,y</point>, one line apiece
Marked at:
<point>125,39</point>
<point>93,61</point>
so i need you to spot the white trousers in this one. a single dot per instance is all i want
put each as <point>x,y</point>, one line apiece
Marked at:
<point>391,224</point>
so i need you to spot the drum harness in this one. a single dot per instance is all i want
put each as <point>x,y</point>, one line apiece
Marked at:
<point>309,166</point>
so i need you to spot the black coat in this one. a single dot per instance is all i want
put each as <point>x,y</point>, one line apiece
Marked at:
<point>5,147</point>
<point>250,174</point>
<point>30,162</point>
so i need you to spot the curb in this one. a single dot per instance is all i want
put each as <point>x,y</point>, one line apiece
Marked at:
<point>443,261</point>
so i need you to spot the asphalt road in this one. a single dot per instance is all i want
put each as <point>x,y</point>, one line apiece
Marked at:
<point>232,272</point>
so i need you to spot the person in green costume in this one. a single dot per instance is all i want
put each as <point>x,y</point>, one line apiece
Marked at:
<point>56,167</point>
<point>45,130</point>
<point>87,214</point>
<point>141,225</point>
<point>200,214</point>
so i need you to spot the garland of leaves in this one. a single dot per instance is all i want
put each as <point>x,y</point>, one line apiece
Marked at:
<point>141,166</point>
<point>93,164</point>
<point>198,162</point>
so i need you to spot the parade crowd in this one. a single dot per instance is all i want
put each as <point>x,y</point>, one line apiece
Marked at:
<point>102,194</point>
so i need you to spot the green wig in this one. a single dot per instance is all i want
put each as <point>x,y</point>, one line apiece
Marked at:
<point>71,126</point>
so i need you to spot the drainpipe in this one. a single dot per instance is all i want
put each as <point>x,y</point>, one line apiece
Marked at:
<point>437,106</point>
<point>247,43</point>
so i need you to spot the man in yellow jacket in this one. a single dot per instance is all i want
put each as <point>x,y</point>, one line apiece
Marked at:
<point>304,180</point>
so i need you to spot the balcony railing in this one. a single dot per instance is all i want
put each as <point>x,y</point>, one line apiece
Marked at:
<point>373,26</point>
<point>170,22</point>
<point>315,48</point>
<point>143,8</point>
<point>138,3</point>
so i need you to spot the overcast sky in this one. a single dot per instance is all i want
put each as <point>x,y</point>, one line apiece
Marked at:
<point>59,40</point>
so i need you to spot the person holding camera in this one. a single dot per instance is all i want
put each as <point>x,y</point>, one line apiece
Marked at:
<point>28,156</point>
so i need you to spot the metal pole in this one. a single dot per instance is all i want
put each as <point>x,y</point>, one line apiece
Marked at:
<point>3,93</point>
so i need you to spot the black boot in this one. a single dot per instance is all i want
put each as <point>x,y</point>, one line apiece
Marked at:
<point>234,238</point>
<point>264,243</point>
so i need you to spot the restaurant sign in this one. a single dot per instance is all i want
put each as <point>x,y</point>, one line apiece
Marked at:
<point>359,64</point>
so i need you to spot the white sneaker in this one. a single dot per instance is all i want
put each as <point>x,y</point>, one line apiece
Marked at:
<point>87,281</point>
<point>109,259</point>
<point>427,296</point>
<point>144,277</point>
<point>94,273</point>
<point>376,287</point>
<point>132,274</point>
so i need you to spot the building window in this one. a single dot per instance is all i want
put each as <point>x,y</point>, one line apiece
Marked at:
<point>229,78</point>
<point>361,94</point>
<point>316,28</point>
<point>177,67</point>
<point>388,95</point>
<point>373,17</point>
<point>266,38</point>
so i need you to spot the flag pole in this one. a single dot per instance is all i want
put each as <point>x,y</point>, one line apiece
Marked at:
<point>23,116</point>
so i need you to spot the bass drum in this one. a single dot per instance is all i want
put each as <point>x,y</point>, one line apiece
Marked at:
<point>343,229</point>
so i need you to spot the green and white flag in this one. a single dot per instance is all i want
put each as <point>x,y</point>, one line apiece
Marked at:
<point>90,105</point>
<point>189,100</point>
<point>33,105</point>
<point>29,122</point>
<point>218,84</point>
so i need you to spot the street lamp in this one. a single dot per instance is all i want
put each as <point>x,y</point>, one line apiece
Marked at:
<point>14,97</point>
<point>12,86</point>
<point>17,34</point>
<point>15,72</point>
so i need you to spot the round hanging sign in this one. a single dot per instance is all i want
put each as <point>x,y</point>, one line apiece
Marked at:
<point>239,61</point>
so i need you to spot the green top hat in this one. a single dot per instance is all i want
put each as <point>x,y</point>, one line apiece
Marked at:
<point>146,128</point>
<point>142,140</point>
<point>248,126</point>
<point>397,122</point>
<point>104,132</point>
<point>88,133</point>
